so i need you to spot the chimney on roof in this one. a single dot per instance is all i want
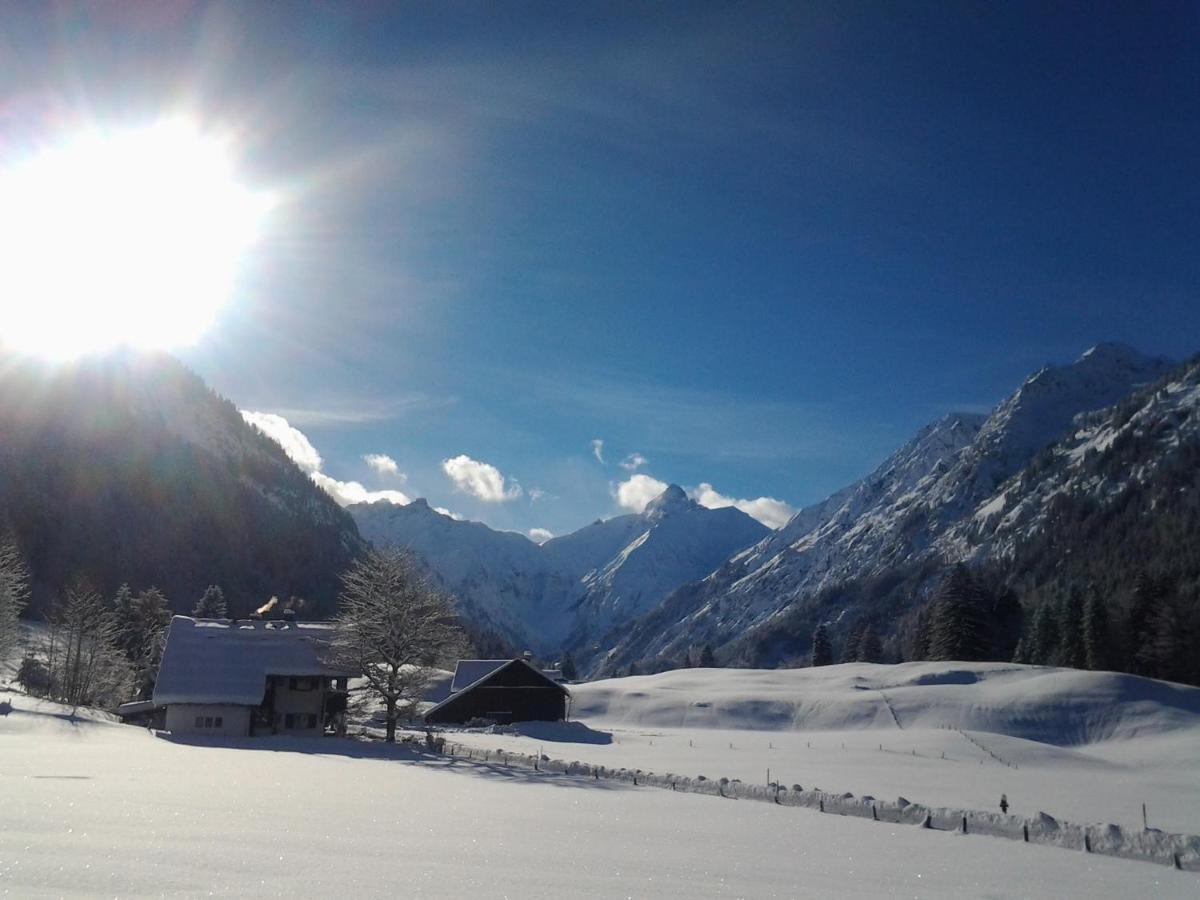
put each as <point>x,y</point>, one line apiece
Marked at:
<point>527,656</point>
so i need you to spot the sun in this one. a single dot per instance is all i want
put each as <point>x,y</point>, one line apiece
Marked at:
<point>132,237</point>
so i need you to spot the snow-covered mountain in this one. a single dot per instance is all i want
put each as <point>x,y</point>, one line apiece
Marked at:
<point>910,508</point>
<point>1131,444</point>
<point>502,580</point>
<point>673,539</point>
<point>574,588</point>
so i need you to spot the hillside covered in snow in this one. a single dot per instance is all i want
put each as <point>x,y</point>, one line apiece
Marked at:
<point>575,588</point>
<point>963,489</point>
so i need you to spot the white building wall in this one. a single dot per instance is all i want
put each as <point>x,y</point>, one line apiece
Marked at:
<point>235,720</point>
<point>298,703</point>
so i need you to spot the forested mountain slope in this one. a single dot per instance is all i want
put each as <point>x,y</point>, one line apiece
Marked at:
<point>127,468</point>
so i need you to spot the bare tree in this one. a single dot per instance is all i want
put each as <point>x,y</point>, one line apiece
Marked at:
<point>85,664</point>
<point>393,627</point>
<point>14,593</point>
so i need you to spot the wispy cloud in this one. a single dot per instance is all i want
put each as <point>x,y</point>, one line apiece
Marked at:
<point>771,512</point>
<point>540,535</point>
<point>480,479</point>
<point>301,451</point>
<point>633,462</point>
<point>598,449</point>
<point>363,412</point>
<point>637,491</point>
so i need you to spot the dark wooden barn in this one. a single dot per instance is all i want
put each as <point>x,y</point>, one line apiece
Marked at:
<point>501,691</point>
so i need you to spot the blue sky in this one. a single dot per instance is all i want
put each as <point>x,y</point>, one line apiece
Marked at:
<point>759,245</point>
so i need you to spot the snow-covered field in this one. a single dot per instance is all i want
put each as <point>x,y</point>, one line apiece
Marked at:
<point>92,808</point>
<point>1089,747</point>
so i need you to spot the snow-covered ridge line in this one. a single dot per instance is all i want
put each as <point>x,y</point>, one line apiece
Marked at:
<point>1180,851</point>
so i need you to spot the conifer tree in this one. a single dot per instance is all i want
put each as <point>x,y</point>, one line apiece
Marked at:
<point>211,605</point>
<point>850,651</point>
<point>141,625</point>
<point>870,649</point>
<point>1041,644</point>
<point>1149,593</point>
<point>708,659</point>
<point>957,626</point>
<point>14,593</point>
<point>822,650</point>
<point>1095,633</point>
<point>568,669</point>
<point>1071,650</point>
<point>1165,653</point>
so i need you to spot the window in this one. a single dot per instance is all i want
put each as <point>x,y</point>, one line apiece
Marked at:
<point>300,720</point>
<point>210,721</point>
<point>199,721</point>
<point>302,684</point>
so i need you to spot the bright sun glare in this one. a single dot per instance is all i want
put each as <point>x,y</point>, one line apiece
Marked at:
<point>127,238</point>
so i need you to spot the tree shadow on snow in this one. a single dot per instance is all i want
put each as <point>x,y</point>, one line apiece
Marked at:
<point>334,748</point>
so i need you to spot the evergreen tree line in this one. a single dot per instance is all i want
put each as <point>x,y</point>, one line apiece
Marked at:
<point>100,653</point>
<point>1156,633</point>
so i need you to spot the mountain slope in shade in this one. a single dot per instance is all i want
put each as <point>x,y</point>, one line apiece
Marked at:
<point>501,579</point>
<point>125,467</point>
<point>895,517</point>
<point>574,588</point>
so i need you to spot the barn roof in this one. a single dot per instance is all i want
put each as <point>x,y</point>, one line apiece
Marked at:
<point>469,671</point>
<point>489,669</point>
<point>219,661</point>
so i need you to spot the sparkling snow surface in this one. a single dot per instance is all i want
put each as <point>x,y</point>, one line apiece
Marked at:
<point>92,808</point>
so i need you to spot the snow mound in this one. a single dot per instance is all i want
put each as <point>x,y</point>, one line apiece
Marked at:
<point>1064,707</point>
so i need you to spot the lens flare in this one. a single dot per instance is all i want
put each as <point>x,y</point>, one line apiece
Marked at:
<point>130,238</point>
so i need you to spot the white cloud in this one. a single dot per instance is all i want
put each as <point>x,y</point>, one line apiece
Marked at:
<point>383,464</point>
<point>347,492</point>
<point>301,451</point>
<point>479,479</point>
<point>536,494</point>
<point>771,512</point>
<point>598,449</point>
<point>639,490</point>
<point>292,440</point>
<point>540,535</point>
<point>449,515</point>
<point>633,462</point>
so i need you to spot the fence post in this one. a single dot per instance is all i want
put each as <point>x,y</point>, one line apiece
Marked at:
<point>821,805</point>
<point>1025,832</point>
<point>874,813</point>
<point>964,824</point>
<point>1176,862</point>
<point>1087,843</point>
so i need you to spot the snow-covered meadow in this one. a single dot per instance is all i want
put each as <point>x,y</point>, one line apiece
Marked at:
<point>1089,747</point>
<point>94,808</point>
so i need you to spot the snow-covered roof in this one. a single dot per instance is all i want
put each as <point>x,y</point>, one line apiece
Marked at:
<point>219,661</point>
<point>469,671</point>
